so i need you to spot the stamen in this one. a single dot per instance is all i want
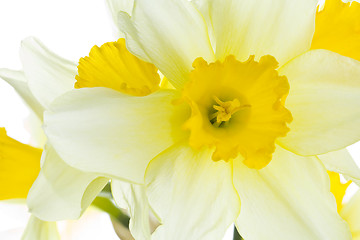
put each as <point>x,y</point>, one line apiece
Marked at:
<point>225,110</point>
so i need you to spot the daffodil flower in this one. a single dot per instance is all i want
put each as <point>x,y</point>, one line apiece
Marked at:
<point>44,77</point>
<point>247,110</point>
<point>20,163</point>
<point>250,108</point>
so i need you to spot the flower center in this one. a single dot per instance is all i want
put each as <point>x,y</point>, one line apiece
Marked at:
<point>237,108</point>
<point>224,111</point>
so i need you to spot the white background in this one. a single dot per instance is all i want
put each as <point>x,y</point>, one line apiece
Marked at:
<point>69,28</point>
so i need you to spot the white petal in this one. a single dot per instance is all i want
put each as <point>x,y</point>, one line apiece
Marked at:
<point>102,130</point>
<point>132,197</point>
<point>116,6</point>
<point>168,33</point>
<point>351,213</point>
<point>48,75</point>
<point>18,81</point>
<point>193,195</point>
<point>283,28</point>
<point>203,7</point>
<point>324,100</point>
<point>288,199</point>
<point>341,162</point>
<point>40,230</point>
<point>61,192</point>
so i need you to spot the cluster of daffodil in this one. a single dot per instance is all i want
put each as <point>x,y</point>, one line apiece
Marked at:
<point>203,114</point>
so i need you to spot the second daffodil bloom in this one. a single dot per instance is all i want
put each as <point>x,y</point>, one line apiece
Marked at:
<point>234,134</point>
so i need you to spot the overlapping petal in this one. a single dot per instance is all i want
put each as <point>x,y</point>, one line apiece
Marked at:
<point>341,162</point>
<point>288,199</point>
<point>132,197</point>
<point>117,6</point>
<point>18,81</point>
<point>48,75</point>
<point>351,213</point>
<point>40,230</point>
<point>113,133</point>
<point>193,195</point>
<point>324,100</point>
<point>168,33</point>
<point>283,29</point>
<point>61,192</point>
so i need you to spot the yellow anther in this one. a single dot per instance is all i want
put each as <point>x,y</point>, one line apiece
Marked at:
<point>225,110</point>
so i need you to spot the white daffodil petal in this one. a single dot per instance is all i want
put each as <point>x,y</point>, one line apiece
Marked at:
<point>18,81</point>
<point>324,100</point>
<point>351,212</point>
<point>40,230</point>
<point>48,75</point>
<point>61,192</point>
<point>171,34</point>
<point>193,195</point>
<point>341,162</point>
<point>132,197</point>
<point>116,6</point>
<point>288,199</point>
<point>283,29</point>
<point>103,130</point>
<point>203,7</point>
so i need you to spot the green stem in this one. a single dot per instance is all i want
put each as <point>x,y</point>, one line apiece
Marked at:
<point>236,235</point>
<point>107,205</point>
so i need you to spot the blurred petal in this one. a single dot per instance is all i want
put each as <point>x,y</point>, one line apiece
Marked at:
<point>193,195</point>
<point>48,75</point>
<point>324,100</point>
<point>171,34</point>
<point>283,29</point>
<point>61,192</point>
<point>351,213</point>
<point>337,28</point>
<point>341,162</point>
<point>102,130</point>
<point>18,81</point>
<point>40,230</point>
<point>288,199</point>
<point>132,197</point>
<point>19,166</point>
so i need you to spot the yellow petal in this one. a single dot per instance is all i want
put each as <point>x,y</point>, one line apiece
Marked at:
<point>113,66</point>
<point>337,28</point>
<point>19,166</point>
<point>237,107</point>
<point>337,188</point>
